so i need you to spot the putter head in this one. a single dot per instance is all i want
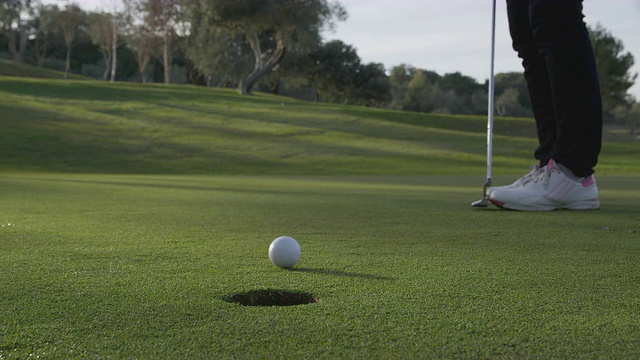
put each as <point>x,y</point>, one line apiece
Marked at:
<point>484,202</point>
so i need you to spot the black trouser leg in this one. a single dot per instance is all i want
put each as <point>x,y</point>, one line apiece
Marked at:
<point>559,66</point>
<point>536,76</point>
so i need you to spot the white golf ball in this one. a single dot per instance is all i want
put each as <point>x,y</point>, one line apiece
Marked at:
<point>284,252</point>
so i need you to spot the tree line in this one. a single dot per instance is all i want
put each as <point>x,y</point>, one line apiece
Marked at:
<point>267,45</point>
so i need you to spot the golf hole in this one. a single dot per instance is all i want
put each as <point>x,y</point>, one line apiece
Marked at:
<point>270,297</point>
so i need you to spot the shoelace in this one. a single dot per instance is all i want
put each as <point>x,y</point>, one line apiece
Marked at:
<point>532,175</point>
<point>533,169</point>
<point>543,174</point>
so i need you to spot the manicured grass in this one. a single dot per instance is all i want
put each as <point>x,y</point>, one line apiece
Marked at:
<point>88,126</point>
<point>139,266</point>
<point>131,214</point>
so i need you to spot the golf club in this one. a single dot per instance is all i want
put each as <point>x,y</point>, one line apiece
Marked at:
<point>484,202</point>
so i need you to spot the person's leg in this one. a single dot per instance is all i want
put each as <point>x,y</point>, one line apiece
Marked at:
<point>570,101</point>
<point>535,73</point>
<point>536,76</point>
<point>562,38</point>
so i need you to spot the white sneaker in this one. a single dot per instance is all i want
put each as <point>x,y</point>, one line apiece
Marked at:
<point>549,189</point>
<point>533,169</point>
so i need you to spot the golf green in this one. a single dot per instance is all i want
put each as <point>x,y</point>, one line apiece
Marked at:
<point>133,266</point>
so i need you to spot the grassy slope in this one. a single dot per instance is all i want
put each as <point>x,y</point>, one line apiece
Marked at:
<point>10,68</point>
<point>88,126</point>
<point>136,266</point>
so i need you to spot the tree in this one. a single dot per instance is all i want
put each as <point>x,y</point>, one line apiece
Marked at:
<point>507,102</point>
<point>142,43</point>
<point>417,92</point>
<point>222,56</point>
<point>463,87</point>
<point>333,71</point>
<point>512,95</point>
<point>291,73</point>
<point>270,25</point>
<point>371,85</point>
<point>426,91</point>
<point>70,22</point>
<point>614,69</point>
<point>16,26</point>
<point>445,101</point>
<point>460,84</point>
<point>102,31</point>
<point>44,28</point>
<point>629,115</point>
<point>399,78</point>
<point>480,100</point>
<point>139,36</point>
<point>161,17</point>
<point>337,75</point>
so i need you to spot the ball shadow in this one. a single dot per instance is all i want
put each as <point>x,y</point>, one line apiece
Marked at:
<point>341,273</point>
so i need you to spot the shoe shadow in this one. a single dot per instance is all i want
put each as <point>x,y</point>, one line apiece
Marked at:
<point>342,273</point>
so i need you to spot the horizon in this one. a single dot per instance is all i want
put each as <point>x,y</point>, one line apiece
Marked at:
<point>448,36</point>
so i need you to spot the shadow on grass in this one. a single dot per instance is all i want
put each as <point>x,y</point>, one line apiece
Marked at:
<point>342,273</point>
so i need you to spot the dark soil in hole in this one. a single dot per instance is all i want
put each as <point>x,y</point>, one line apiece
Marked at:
<point>270,297</point>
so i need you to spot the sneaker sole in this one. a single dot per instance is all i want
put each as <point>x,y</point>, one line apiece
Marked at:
<point>584,205</point>
<point>581,205</point>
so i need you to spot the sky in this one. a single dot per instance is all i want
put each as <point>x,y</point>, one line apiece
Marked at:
<point>448,36</point>
<point>455,35</point>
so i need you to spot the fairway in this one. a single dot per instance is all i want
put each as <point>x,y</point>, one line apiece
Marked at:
<point>130,216</point>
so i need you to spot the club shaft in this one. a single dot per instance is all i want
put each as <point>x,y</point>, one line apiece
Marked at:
<point>491,96</point>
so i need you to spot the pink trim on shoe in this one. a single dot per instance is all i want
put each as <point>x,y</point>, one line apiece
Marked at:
<point>591,180</point>
<point>498,203</point>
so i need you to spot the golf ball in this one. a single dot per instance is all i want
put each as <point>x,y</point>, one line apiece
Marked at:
<point>284,252</point>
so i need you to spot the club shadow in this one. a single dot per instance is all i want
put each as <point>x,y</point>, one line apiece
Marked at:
<point>342,273</point>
